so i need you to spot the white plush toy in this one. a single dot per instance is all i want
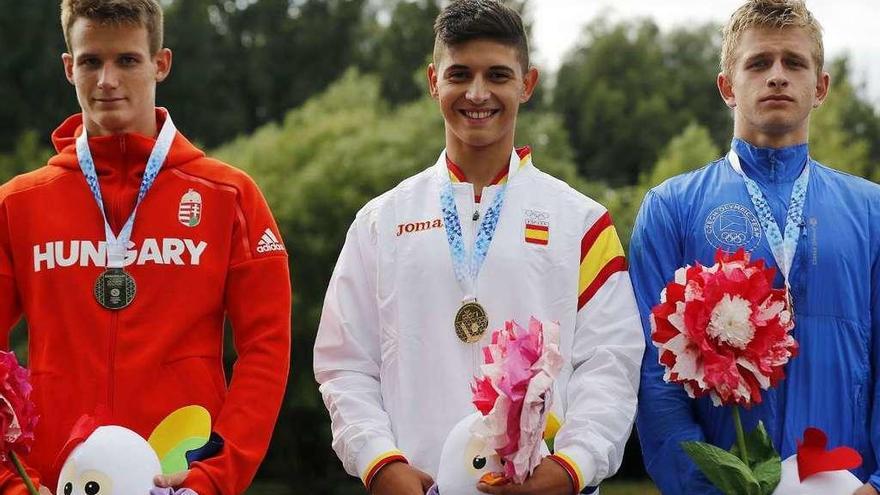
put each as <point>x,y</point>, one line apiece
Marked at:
<point>111,461</point>
<point>466,459</point>
<point>816,471</point>
<point>520,368</point>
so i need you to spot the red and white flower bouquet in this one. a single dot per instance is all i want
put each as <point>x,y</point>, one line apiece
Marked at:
<point>17,415</point>
<point>725,332</point>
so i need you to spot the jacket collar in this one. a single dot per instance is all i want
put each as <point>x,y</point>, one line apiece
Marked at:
<point>771,165</point>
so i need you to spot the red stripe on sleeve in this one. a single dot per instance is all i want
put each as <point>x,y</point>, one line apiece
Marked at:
<point>575,481</point>
<point>590,237</point>
<point>613,266</point>
<point>379,465</point>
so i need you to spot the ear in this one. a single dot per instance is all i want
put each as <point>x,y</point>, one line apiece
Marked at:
<point>162,60</point>
<point>67,61</point>
<point>725,88</point>
<point>530,82</point>
<point>432,81</point>
<point>823,85</point>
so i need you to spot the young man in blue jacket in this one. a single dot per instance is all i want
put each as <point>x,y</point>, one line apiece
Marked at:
<point>772,77</point>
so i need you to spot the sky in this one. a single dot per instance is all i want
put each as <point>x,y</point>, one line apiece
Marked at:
<point>850,26</point>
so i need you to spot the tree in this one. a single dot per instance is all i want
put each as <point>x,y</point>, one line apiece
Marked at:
<point>398,52</point>
<point>33,89</point>
<point>691,149</point>
<point>845,130</point>
<point>629,88</point>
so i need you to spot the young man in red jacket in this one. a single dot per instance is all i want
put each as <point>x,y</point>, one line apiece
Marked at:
<point>126,252</point>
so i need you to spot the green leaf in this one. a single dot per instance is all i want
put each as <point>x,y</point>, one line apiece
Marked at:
<point>760,447</point>
<point>768,473</point>
<point>726,471</point>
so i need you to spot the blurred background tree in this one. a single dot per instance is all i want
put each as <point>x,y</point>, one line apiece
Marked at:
<point>324,103</point>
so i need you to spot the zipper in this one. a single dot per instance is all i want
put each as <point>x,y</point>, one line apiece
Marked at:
<point>111,378</point>
<point>114,317</point>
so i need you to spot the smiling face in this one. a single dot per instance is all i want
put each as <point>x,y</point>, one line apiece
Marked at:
<point>115,76</point>
<point>480,85</point>
<point>773,86</point>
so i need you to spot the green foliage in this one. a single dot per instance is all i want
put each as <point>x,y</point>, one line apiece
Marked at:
<point>396,51</point>
<point>33,89</point>
<point>691,149</point>
<point>835,141</point>
<point>727,471</point>
<point>629,88</point>
<point>250,62</point>
<point>28,154</point>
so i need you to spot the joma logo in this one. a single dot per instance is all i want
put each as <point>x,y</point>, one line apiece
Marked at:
<point>409,228</point>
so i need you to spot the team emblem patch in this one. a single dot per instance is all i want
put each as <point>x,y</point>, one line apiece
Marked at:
<point>732,226</point>
<point>536,227</point>
<point>189,213</point>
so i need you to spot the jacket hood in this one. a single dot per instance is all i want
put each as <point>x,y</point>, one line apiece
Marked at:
<point>107,150</point>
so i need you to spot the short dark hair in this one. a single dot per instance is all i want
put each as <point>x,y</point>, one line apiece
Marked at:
<point>466,20</point>
<point>146,13</point>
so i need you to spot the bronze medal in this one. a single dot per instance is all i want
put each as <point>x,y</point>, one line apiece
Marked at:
<point>115,289</point>
<point>471,322</point>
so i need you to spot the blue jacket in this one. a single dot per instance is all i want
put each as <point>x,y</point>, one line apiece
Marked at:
<point>835,283</point>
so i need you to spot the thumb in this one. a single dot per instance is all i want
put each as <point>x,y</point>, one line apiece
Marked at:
<point>170,480</point>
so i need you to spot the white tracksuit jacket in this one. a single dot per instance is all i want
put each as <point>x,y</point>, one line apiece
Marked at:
<point>393,374</point>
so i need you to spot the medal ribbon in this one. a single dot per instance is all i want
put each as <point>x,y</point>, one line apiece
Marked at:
<point>782,247</point>
<point>466,267</point>
<point>117,245</point>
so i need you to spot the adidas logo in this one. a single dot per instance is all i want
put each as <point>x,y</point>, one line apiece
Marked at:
<point>268,243</point>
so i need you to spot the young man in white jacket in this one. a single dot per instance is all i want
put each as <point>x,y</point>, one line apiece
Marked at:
<point>431,267</point>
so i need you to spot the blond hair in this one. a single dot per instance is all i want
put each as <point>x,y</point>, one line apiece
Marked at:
<point>146,13</point>
<point>769,14</point>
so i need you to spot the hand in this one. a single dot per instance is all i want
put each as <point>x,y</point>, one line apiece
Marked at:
<point>170,480</point>
<point>549,478</point>
<point>44,491</point>
<point>399,478</point>
<point>867,489</point>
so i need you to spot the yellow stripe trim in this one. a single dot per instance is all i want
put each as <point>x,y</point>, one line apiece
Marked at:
<point>538,234</point>
<point>553,426</point>
<point>606,248</point>
<point>377,460</point>
<point>580,481</point>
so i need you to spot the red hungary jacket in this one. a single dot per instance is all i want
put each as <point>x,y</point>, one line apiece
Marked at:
<point>204,246</point>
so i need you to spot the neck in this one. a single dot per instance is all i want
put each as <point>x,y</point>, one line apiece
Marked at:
<point>769,139</point>
<point>479,164</point>
<point>146,126</point>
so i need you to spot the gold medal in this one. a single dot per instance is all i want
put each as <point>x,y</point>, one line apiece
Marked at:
<point>471,322</point>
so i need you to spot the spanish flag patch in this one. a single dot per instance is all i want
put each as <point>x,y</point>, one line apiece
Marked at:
<point>537,234</point>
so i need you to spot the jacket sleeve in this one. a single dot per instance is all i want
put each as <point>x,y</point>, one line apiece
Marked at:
<point>10,313</point>
<point>606,353</point>
<point>347,358</point>
<point>874,425</point>
<point>665,416</point>
<point>257,299</point>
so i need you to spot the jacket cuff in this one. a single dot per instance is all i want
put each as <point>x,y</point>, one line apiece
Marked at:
<point>573,468</point>
<point>874,480</point>
<point>376,455</point>
<point>198,481</point>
